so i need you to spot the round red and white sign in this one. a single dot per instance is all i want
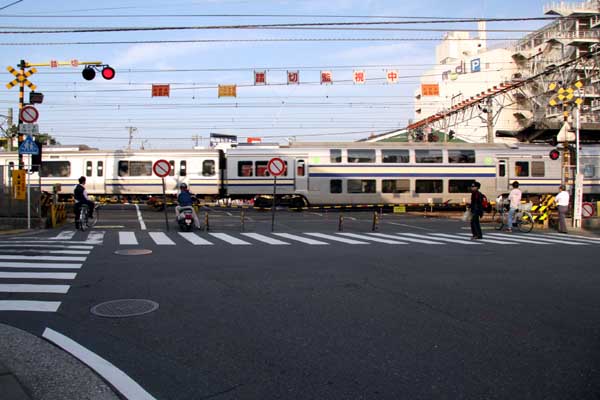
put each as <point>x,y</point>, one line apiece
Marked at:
<point>276,166</point>
<point>161,168</point>
<point>587,210</point>
<point>29,114</point>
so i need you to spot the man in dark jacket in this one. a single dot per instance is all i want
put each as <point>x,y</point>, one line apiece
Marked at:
<point>476,210</point>
<point>81,198</point>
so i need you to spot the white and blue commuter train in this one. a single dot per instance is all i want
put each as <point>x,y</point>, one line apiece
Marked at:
<point>318,173</point>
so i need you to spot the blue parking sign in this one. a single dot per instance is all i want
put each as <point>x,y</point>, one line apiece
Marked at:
<point>476,65</point>
<point>29,147</point>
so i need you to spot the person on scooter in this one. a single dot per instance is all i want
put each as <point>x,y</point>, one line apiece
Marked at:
<point>81,198</point>
<point>184,199</point>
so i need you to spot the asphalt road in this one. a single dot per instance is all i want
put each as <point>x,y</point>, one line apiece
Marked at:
<point>434,319</point>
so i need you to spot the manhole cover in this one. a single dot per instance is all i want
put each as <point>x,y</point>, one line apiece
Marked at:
<point>133,252</point>
<point>124,308</point>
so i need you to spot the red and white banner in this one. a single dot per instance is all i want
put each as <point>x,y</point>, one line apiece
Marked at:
<point>260,78</point>
<point>293,77</point>
<point>359,77</point>
<point>326,77</point>
<point>392,76</point>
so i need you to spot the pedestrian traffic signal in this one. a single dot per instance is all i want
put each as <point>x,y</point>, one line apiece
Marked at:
<point>554,154</point>
<point>89,72</point>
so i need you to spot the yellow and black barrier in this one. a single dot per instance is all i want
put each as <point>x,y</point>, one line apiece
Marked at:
<point>58,214</point>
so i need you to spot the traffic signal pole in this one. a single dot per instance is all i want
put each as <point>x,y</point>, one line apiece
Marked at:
<point>21,105</point>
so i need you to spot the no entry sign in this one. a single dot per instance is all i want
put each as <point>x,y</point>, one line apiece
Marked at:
<point>162,168</point>
<point>276,166</point>
<point>29,114</point>
<point>587,210</point>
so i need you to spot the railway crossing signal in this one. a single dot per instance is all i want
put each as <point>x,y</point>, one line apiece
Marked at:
<point>21,78</point>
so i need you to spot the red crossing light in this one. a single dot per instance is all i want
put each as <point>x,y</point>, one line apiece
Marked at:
<point>108,73</point>
<point>554,154</point>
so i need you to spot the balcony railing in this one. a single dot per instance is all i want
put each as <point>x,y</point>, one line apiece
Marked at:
<point>568,7</point>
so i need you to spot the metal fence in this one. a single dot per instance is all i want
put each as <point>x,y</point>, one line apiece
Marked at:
<point>12,208</point>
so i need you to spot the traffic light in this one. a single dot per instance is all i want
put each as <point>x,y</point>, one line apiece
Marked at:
<point>554,154</point>
<point>89,72</point>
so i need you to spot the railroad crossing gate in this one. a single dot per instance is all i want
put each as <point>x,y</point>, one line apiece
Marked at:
<point>20,78</point>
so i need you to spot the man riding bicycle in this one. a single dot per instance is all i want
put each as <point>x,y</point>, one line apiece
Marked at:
<point>81,198</point>
<point>184,200</point>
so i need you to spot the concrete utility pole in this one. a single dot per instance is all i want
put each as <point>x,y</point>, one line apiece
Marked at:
<point>131,130</point>
<point>490,121</point>
<point>9,124</point>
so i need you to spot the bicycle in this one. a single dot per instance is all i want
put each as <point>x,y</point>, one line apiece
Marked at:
<point>85,222</point>
<point>522,218</point>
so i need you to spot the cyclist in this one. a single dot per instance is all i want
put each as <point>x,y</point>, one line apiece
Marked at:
<point>514,199</point>
<point>81,198</point>
<point>184,199</point>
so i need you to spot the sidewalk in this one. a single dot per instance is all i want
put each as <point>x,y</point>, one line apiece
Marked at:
<point>33,369</point>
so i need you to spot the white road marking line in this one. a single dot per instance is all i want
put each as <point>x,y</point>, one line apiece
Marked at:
<point>117,378</point>
<point>408,239</point>
<point>485,240</point>
<point>593,239</point>
<point>41,258</point>
<point>51,241</point>
<point>265,239</point>
<point>533,239</point>
<point>445,239</point>
<point>564,239</point>
<point>161,239</point>
<point>37,275</point>
<point>96,237</point>
<point>516,238</point>
<point>140,219</point>
<point>301,239</point>
<point>48,246</point>
<point>127,238</point>
<point>194,239</point>
<point>408,226</point>
<point>372,239</point>
<point>29,305</point>
<point>21,288</point>
<point>64,235</point>
<point>38,251</point>
<point>229,239</point>
<point>335,238</point>
<point>12,264</point>
<point>317,214</point>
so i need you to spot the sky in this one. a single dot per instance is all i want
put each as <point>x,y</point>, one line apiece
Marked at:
<point>99,112</point>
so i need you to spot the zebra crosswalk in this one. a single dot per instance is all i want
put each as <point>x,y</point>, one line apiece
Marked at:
<point>36,272</point>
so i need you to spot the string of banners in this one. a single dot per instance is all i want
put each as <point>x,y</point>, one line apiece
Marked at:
<point>359,77</point>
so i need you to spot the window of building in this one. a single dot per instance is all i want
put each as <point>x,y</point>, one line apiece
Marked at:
<point>362,186</point>
<point>182,168</point>
<point>55,169</point>
<point>361,156</point>
<point>428,156</point>
<point>461,156</point>
<point>208,167</point>
<point>244,168</point>
<point>172,171</point>
<point>522,168</point>
<point>538,169</point>
<point>100,168</point>
<point>589,171</point>
<point>300,168</point>
<point>395,156</point>
<point>460,185</point>
<point>335,186</point>
<point>335,156</point>
<point>395,185</point>
<point>135,168</point>
<point>88,168</point>
<point>429,186</point>
<point>261,168</point>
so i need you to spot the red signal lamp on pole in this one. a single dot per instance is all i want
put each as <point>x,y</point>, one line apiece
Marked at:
<point>108,73</point>
<point>554,154</point>
<point>89,72</point>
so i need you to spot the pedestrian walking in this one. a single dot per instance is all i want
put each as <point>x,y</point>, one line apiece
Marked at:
<point>476,210</point>
<point>562,201</point>
<point>514,199</point>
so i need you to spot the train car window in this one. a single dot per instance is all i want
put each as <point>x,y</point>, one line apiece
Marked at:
<point>335,186</point>
<point>361,186</point>
<point>208,168</point>
<point>589,171</point>
<point>395,156</point>
<point>428,156</point>
<point>459,185</point>
<point>55,169</point>
<point>172,172</point>
<point>538,169</point>
<point>300,168</point>
<point>88,168</point>
<point>461,156</point>
<point>335,156</point>
<point>261,168</point>
<point>502,168</point>
<point>100,168</point>
<point>140,168</point>
<point>395,185</point>
<point>361,156</point>
<point>182,168</point>
<point>123,168</point>
<point>522,168</point>
<point>429,186</point>
<point>244,168</point>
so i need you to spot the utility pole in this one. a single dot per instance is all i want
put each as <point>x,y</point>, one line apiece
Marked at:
<point>490,121</point>
<point>131,130</point>
<point>9,123</point>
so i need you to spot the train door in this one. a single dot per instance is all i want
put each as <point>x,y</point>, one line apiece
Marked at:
<point>502,175</point>
<point>301,175</point>
<point>90,178</point>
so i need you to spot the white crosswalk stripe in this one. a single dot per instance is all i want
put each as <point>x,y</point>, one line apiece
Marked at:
<point>485,240</point>
<point>552,239</point>
<point>127,239</point>
<point>410,239</point>
<point>512,239</point>
<point>96,237</point>
<point>335,238</point>
<point>22,288</point>
<point>194,239</point>
<point>594,239</point>
<point>29,305</point>
<point>37,275</point>
<point>265,239</point>
<point>38,251</point>
<point>161,239</point>
<point>373,239</point>
<point>533,240</point>
<point>301,239</point>
<point>45,246</point>
<point>65,235</point>
<point>41,258</point>
<point>451,239</point>
<point>230,239</point>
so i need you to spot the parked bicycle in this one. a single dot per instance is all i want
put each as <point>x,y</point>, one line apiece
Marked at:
<point>85,222</point>
<point>523,220</point>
